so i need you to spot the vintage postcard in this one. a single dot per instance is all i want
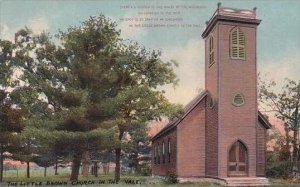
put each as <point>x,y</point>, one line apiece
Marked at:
<point>149,92</point>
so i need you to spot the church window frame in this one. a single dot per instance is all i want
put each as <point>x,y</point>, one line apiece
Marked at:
<point>211,51</point>
<point>237,44</point>
<point>169,150</point>
<point>155,154</point>
<point>163,152</point>
<point>238,99</point>
<point>158,154</point>
<point>211,102</point>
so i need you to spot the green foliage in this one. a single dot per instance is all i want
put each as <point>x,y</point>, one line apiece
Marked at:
<point>86,93</point>
<point>146,170</point>
<point>278,169</point>
<point>286,105</point>
<point>279,163</point>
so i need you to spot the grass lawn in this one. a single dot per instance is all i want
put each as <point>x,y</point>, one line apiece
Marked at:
<point>285,182</point>
<point>14,178</point>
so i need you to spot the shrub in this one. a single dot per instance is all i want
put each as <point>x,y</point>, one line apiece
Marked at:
<point>171,177</point>
<point>146,170</point>
<point>279,169</point>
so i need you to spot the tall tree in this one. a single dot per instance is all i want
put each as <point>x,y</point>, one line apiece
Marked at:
<point>286,105</point>
<point>95,82</point>
<point>122,76</point>
<point>10,117</point>
<point>139,100</point>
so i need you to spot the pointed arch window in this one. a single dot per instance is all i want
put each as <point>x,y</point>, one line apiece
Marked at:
<point>169,150</point>
<point>211,51</point>
<point>163,152</point>
<point>155,154</point>
<point>158,154</point>
<point>237,44</point>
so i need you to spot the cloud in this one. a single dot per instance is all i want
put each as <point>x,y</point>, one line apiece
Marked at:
<point>132,32</point>
<point>37,25</point>
<point>6,33</point>
<point>190,71</point>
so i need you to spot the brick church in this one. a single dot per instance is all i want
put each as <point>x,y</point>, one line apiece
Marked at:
<point>221,136</point>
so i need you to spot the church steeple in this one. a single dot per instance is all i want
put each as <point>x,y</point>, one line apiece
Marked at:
<point>230,78</point>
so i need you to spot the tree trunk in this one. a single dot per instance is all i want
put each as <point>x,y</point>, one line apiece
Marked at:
<point>75,167</point>
<point>287,136</point>
<point>96,169</point>
<point>136,162</point>
<point>118,158</point>
<point>1,163</point>
<point>295,170</point>
<point>45,171</point>
<point>28,170</point>
<point>104,168</point>
<point>85,163</point>
<point>107,168</point>
<point>56,166</point>
<point>118,164</point>
<point>295,154</point>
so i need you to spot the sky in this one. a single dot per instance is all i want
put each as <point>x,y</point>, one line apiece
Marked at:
<point>278,42</point>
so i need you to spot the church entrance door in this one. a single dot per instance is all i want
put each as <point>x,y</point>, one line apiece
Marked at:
<point>237,163</point>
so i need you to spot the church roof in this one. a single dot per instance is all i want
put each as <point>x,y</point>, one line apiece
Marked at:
<point>190,106</point>
<point>264,121</point>
<point>187,109</point>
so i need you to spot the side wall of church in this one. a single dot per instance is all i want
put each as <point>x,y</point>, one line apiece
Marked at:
<point>211,84</point>
<point>161,167</point>
<point>191,143</point>
<point>261,149</point>
<point>211,139</point>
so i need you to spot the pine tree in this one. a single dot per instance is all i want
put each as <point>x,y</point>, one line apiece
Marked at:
<point>11,123</point>
<point>89,92</point>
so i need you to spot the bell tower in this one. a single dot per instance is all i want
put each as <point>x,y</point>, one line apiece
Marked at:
<point>231,79</point>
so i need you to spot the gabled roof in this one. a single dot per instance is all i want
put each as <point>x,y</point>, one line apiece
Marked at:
<point>264,121</point>
<point>190,106</point>
<point>187,109</point>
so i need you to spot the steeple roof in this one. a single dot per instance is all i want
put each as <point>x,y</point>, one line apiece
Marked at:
<point>231,15</point>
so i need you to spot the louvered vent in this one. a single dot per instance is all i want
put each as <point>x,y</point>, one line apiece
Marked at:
<point>237,44</point>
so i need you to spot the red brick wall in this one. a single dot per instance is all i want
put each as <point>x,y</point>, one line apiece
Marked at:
<point>211,128</point>
<point>237,123</point>
<point>163,168</point>
<point>261,149</point>
<point>191,143</point>
<point>211,139</point>
<point>211,71</point>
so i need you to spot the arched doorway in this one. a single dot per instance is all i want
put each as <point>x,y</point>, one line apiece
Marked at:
<point>238,160</point>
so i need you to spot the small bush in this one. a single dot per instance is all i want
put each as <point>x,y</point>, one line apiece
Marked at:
<point>146,170</point>
<point>171,177</point>
<point>279,170</point>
